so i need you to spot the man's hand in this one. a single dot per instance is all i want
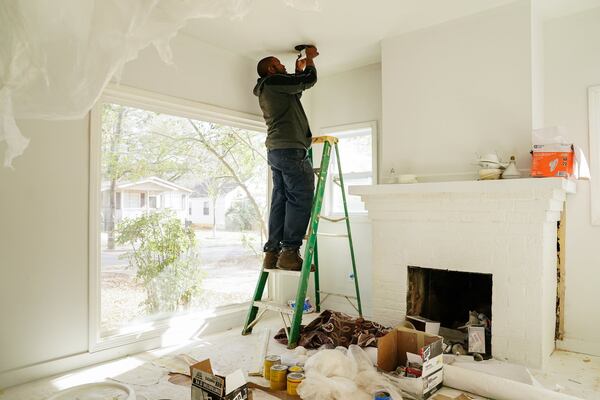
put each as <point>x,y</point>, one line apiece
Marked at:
<point>300,64</point>
<point>311,52</point>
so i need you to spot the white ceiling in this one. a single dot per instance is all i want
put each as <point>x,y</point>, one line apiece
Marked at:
<point>347,32</point>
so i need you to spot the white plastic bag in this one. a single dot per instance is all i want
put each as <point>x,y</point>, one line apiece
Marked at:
<point>550,135</point>
<point>331,363</point>
<point>342,375</point>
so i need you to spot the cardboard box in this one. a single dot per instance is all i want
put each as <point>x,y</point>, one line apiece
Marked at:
<point>208,386</point>
<point>391,354</point>
<point>424,324</point>
<point>552,160</point>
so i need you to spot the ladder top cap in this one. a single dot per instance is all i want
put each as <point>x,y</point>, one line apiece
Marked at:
<point>322,139</point>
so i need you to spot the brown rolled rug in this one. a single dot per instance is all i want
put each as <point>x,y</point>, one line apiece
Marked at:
<point>332,329</point>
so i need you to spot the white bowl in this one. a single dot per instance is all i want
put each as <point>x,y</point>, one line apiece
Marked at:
<point>490,164</point>
<point>490,173</point>
<point>93,390</point>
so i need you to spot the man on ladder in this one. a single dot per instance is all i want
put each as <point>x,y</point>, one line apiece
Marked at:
<point>293,207</point>
<point>288,142</point>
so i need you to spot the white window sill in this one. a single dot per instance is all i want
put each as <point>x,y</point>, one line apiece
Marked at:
<point>176,328</point>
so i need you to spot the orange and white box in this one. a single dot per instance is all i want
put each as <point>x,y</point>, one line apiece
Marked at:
<point>552,160</point>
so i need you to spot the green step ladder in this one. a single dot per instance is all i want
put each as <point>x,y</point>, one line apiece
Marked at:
<point>310,253</point>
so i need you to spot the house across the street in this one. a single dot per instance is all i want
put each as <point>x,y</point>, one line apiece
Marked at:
<point>205,211</point>
<point>148,194</point>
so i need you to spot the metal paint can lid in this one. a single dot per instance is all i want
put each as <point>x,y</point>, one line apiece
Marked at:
<point>295,377</point>
<point>279,367</point>
<point>273,358</point>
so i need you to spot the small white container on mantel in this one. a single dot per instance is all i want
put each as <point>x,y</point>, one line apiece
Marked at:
<point>511,171</point>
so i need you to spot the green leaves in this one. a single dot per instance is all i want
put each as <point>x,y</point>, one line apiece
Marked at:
<point>163,252</point>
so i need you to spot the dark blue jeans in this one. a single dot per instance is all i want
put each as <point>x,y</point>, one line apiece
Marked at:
<point>291,202</point>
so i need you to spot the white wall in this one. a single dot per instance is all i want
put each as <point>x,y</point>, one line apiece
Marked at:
<point>458,88</point>
<point>44,206</point>
<point>202,73</point>
<point>345,98</point>
<point>572,65</point>
<point>43,246</point>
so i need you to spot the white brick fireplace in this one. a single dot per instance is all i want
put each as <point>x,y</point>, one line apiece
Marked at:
<point>506,228</point>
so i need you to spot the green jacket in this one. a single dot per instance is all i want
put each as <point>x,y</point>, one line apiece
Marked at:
<point>279,99</point>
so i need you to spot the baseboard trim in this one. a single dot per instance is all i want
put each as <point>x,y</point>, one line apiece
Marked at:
<point>579,346</point>
<point>218,323</point>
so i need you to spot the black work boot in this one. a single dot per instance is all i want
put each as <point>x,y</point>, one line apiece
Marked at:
<point>290,260</point>
<point>270,260</point>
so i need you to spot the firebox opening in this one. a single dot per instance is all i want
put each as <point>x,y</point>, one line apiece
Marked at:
<point>448,296</point>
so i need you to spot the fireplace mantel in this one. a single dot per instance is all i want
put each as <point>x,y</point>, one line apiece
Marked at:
<point>506,228</point>
<point>487,186</point>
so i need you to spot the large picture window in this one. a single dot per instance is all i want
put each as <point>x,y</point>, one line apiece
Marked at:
<point>196,244</point>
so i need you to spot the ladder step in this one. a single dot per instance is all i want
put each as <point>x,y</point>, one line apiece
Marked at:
<point>273,306</point>
<point>285,272</point>
<point>337,295</point>
<point>332,234</point>
<point>333,219</point>
<point>328,235</point>
<point>322,139</point>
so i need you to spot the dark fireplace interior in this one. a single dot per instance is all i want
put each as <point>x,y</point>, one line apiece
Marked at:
<point>448,296</point>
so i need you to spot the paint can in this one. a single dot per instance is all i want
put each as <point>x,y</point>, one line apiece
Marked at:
<point>278,377</point>
<point>293,380</point>
<point>381,395</point>
<point>296,368</point>
<point>269,362</point>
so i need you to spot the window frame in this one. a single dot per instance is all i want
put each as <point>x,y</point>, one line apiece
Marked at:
<point>594,135</point>
<point>335,131</point>
<point>151,101</point>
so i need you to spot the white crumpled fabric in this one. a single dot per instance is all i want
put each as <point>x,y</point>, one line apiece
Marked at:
<point>341,375</point>
<point>57,56</point>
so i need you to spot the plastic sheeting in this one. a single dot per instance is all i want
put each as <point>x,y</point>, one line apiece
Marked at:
<point>57,56</point>
<point>342,374</point>
<point>496,387</point>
